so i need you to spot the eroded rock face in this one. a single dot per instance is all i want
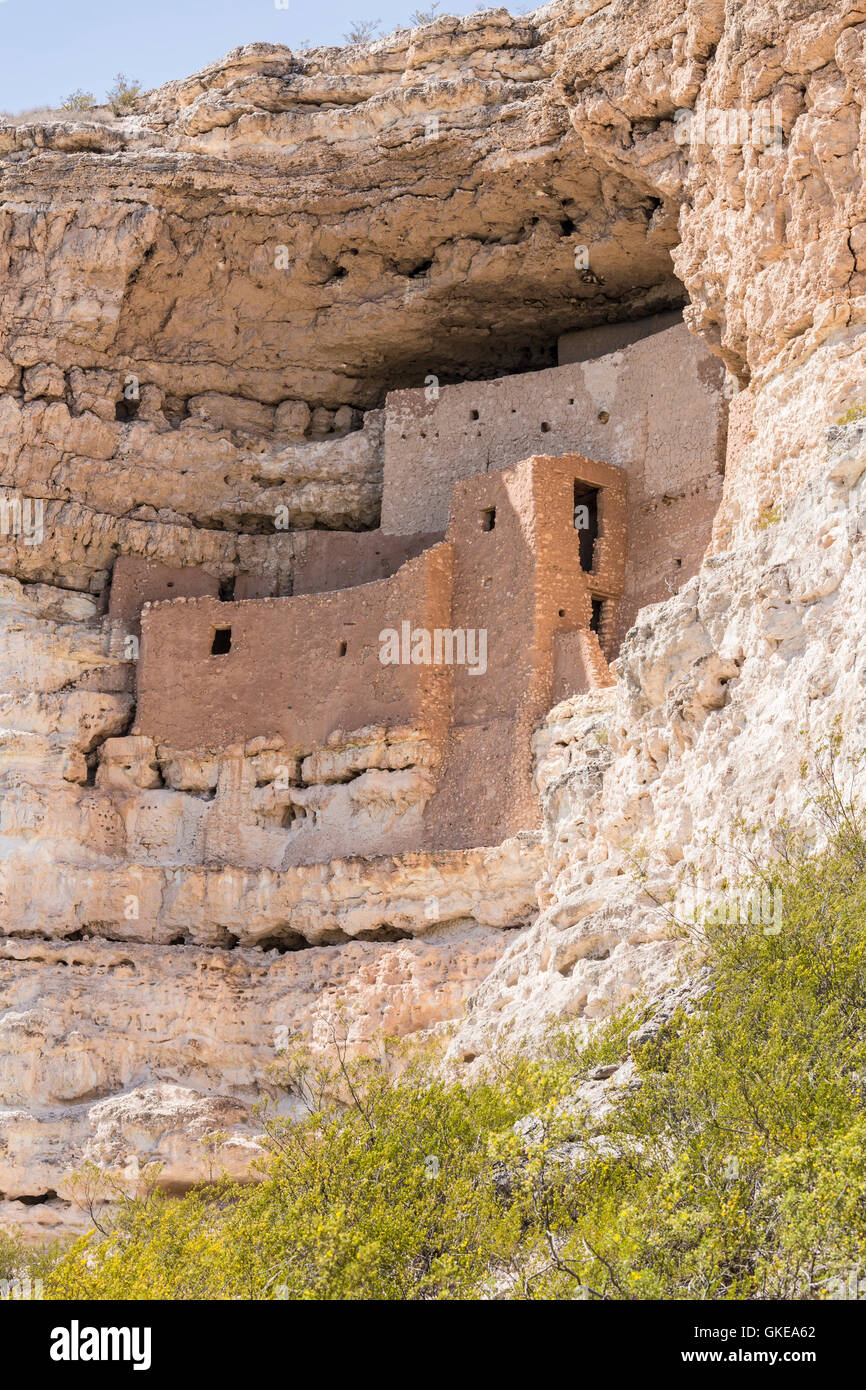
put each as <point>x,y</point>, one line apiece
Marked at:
<point>202,307</point>
<point>126,1056</point>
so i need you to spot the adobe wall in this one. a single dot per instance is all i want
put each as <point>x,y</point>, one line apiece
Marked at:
<point>327,560</point>
<point>136,581</point>
<point>579,665</point>
<point>322,561</point>
<point>654,409</point>
<point>300,667</point>
<point>517,576</point>
<point>586,344</point>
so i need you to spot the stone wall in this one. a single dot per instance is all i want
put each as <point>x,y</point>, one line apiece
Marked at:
<point>655,409</point>
<point>517,576</point>
<point>136,581</point>
<point>512,575</point>
<point>317,562</point>
<point>326,560</point>
<point>299,667</point>
<point>588,344</point>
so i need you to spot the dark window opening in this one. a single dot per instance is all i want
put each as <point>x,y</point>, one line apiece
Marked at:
<point>545,427</point>
<point>222,641</point>
<point>344,647</point>
<point>586,521</point>
<point>227,590</point>
<point>473,415</point>
<point>488,519</point>
<point>562,612</point>
<point>595,620</point>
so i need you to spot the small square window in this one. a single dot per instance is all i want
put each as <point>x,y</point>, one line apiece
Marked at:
<point>222,641</point>
<point>488,519</point>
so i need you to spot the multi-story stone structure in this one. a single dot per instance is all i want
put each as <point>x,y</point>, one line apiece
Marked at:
<point>464,647</point>
<point>502,580</point>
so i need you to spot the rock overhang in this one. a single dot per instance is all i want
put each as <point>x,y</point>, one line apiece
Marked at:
<point>429,223</point>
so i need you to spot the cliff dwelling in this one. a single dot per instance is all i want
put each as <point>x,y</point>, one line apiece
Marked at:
<point>509,577</point>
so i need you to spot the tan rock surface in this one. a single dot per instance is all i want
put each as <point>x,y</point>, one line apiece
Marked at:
<point>196,303</point>
<point>129,1057</point>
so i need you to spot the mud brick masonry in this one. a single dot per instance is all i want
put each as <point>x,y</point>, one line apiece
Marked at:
<point>550,555</point>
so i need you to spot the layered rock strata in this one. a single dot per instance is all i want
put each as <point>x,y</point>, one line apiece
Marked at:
<point>202,307</point>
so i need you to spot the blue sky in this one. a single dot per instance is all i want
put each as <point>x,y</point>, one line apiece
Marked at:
<point>48,48</point>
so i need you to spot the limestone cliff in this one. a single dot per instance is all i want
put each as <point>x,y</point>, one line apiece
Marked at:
<point>202,307</point>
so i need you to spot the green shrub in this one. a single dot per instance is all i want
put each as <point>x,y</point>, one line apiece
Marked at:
<point>78,101</point>
<point>388,1197</point>
<point>768,517</point>
<point>24,1267</point>
<point>123,95</point>
<point>738,1168</point>
<point>362,31</point>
